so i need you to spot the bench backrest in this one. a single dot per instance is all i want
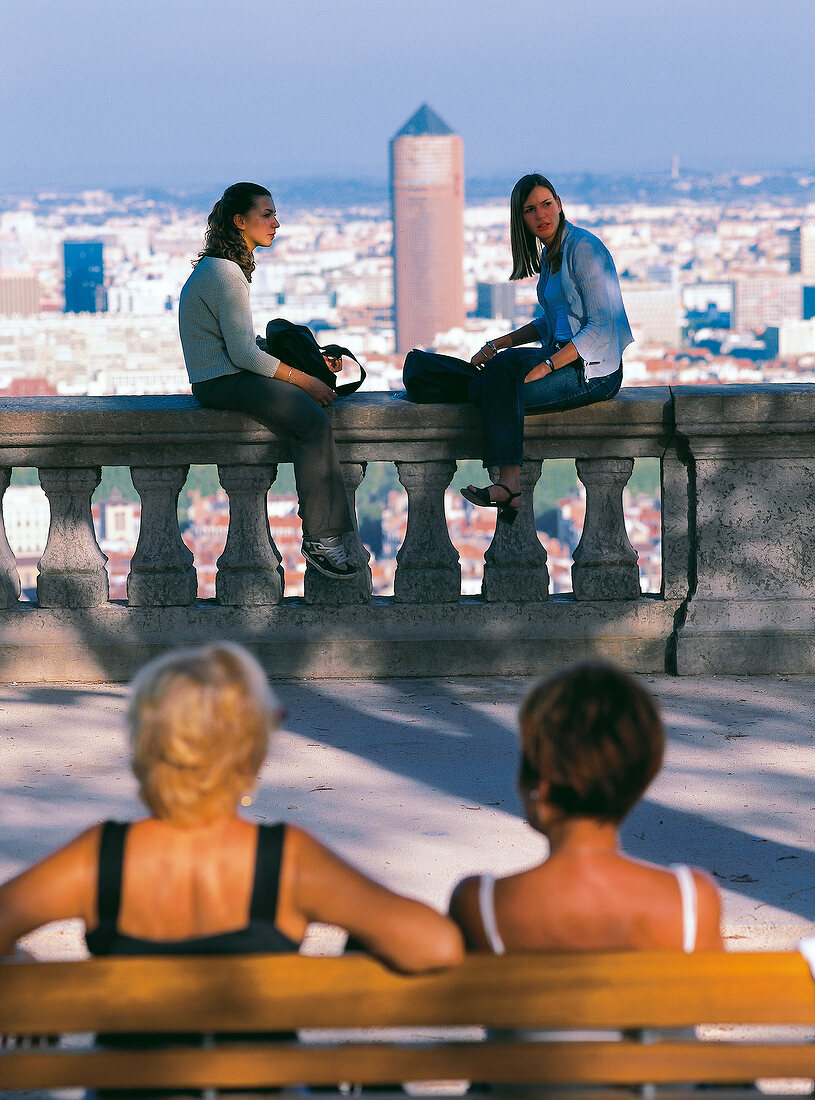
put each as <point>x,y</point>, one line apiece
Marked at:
<point>257,995</point>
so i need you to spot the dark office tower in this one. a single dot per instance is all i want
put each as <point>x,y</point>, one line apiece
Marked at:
<point>809,302</point>
<point>84,277</point>
<point>495,300</point>
<point>427,197</point>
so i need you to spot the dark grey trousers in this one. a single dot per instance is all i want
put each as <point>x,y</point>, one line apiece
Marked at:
<point>286,409</point>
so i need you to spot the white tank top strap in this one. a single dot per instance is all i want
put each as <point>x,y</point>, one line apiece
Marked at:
<point>690,918</point>
<point>486,908</point>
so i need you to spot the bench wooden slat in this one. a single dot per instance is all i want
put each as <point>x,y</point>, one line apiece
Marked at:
<point>255,1064</point>
<point>277,992</point>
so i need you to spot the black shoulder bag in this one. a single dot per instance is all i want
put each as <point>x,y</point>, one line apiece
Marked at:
<point>296,345</point>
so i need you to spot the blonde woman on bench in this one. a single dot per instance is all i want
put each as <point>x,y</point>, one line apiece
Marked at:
<point>194,877</point>
<point>591,742</point>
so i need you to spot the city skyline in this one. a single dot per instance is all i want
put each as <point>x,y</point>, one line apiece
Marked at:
<point>92,98</point>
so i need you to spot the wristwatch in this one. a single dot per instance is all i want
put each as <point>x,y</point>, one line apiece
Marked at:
<point>550,365</point>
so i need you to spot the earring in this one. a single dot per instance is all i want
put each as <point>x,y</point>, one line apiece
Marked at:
<point>246,800</point>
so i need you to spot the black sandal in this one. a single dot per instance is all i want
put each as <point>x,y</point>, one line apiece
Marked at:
<point>481,498</point>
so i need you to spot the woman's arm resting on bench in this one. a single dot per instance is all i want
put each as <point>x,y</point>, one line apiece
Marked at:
<point>316,885</point>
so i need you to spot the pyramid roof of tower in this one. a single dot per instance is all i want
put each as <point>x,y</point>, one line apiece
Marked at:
<point>424,121</point>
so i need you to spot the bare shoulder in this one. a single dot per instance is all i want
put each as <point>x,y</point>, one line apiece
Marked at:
<point>80,852</point>
<point>59,887</point>
<point>299,844</point>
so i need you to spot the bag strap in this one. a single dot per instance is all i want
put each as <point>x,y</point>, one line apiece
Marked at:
<point>336,351</point>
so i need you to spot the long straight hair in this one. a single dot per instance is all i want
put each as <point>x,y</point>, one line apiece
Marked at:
<point>526,248</point>
<point>223,239</point>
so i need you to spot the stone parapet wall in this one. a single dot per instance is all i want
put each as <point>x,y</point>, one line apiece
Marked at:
<point>751,605</point>
<point>738,466</point>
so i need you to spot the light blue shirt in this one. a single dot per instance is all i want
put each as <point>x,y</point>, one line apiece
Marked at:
<point>557,312</point>
<point>597,320</point>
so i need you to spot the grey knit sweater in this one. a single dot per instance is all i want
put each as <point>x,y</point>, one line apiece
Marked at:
<point>215,323</point>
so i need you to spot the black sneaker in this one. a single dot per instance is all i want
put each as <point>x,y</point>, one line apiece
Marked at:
<point>328,557</point>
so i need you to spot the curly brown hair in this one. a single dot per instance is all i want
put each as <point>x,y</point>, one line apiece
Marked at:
<point>223,239</point>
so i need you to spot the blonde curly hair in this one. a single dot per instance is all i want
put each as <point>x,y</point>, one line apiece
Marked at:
<point>199,722</point>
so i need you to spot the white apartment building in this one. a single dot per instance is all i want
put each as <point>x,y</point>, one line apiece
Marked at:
<point>27,518</point>
<point>796,338</point>
<point>655,313</point>
<point>700,296</point>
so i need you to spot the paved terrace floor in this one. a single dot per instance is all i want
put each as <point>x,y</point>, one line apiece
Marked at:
<point>413,780</point>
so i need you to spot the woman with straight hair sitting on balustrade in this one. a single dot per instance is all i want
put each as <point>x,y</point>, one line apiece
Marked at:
<point>194,877</point>
<point>582,327</point>
<point>591,742</point>
<point>228,370</point>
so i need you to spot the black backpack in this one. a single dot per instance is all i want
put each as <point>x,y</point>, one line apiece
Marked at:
<point>296,345</point>
<point>434,379</point>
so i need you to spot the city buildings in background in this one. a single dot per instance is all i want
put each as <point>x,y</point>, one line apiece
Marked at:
<point>19,294</point>
<point>84,277</point>
<point>495,300</point>
<point>655,312</point>
<point>712,287</point>
<point>427,198</point>
<point>718,279</point>
<point>766,299</point>
<point>802,251</point>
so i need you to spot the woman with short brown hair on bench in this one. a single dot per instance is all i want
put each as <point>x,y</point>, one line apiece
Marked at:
<point>194,877</point>
<point>591,742</point>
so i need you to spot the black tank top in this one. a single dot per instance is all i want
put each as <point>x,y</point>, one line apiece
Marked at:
<point>259,935</point>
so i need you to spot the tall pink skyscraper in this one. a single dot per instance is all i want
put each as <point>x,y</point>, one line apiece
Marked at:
<point>427,197</point>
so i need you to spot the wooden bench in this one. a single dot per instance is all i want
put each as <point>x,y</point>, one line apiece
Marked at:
<point>253,995</point>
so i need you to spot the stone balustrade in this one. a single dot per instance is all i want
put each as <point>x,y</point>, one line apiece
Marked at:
<point>738,511</point>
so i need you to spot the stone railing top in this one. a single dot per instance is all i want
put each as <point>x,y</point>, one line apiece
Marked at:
<point>738,422</point>
<point>368,426</point>
<point>765,408</point>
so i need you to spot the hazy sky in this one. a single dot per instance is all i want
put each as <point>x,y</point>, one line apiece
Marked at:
<point>199,93</point>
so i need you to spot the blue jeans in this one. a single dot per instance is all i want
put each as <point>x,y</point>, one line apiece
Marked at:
<point>504,398</point>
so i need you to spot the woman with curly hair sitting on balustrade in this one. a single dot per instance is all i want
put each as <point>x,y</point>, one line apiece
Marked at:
<point>228,370</point>
<point>591,742</point>
<point>194,876</point>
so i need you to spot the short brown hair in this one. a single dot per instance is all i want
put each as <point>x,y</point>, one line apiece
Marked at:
<point>199,722</point>
<point>595,737</point>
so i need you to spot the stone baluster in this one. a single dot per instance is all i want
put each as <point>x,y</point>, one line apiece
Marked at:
<point>427,563</point>
<point>9,577</point>
<point>250,573</point>
<point>72,567</point>
<point>605,562</point>
<point>515,561</point>
<point>161,572</point>
<point>318,589</point>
